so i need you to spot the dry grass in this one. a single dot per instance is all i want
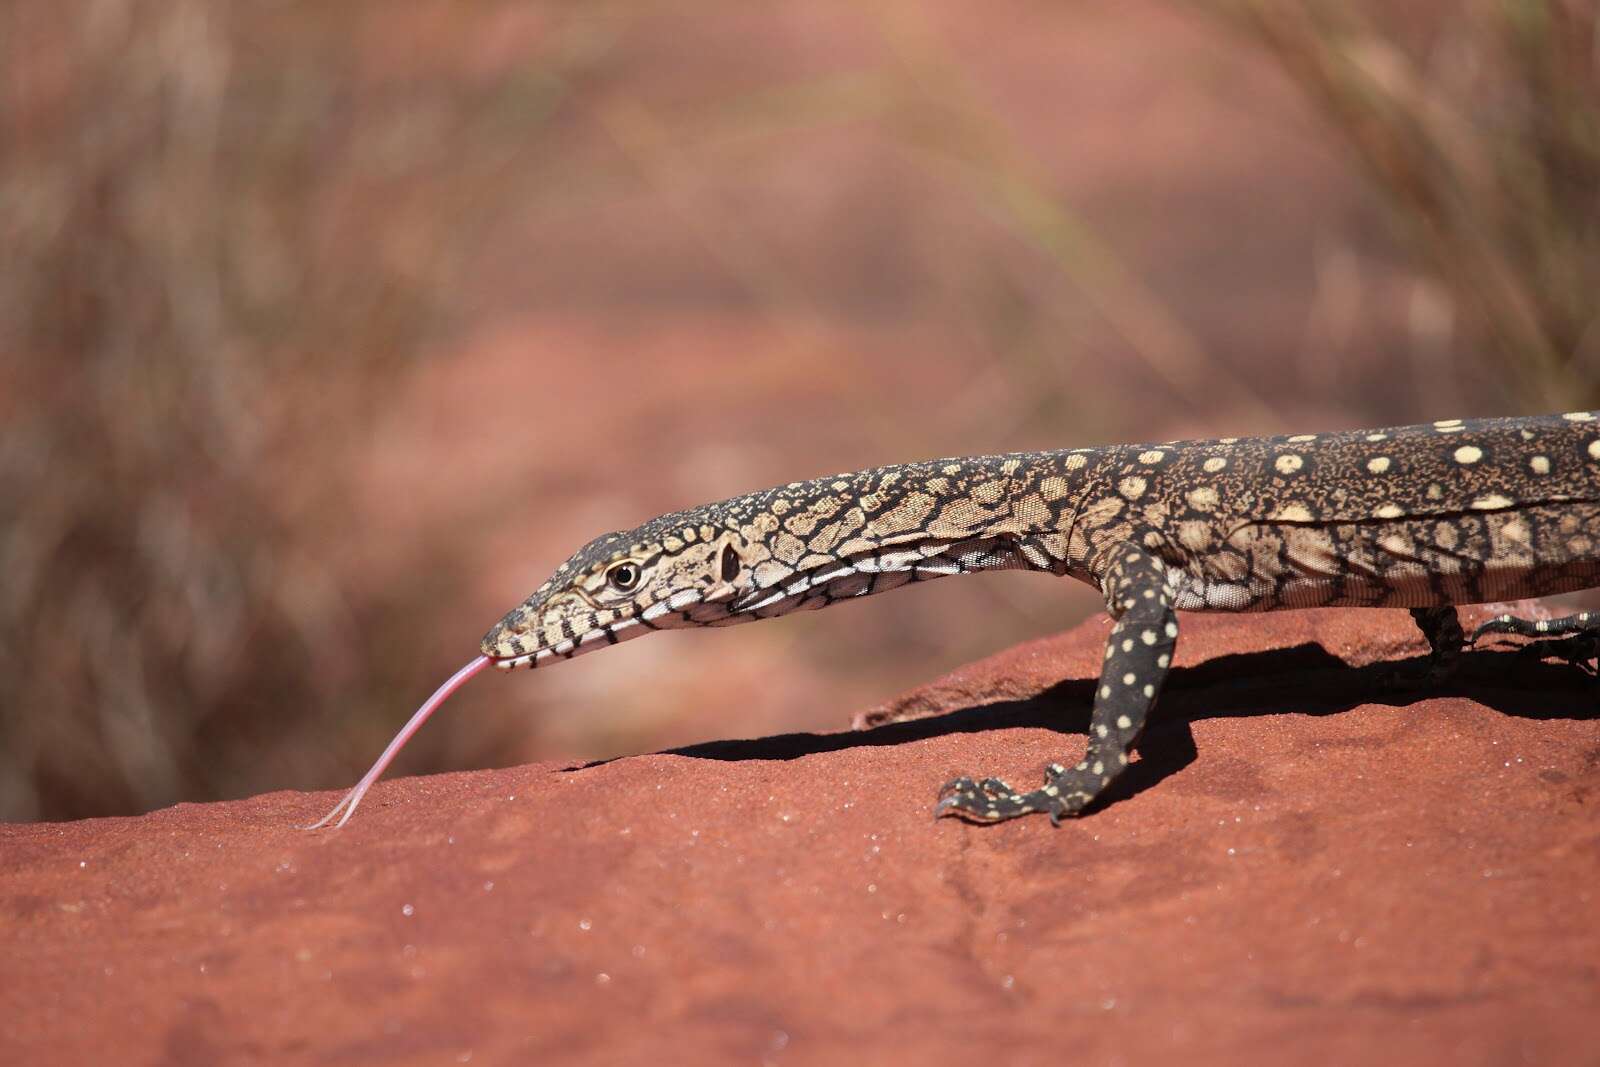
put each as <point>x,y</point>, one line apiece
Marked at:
<point>218,240</point>
<point>1480,125</point>
<point>228,228</point>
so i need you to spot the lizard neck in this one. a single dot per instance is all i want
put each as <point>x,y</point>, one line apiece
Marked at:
<point>813,544</point>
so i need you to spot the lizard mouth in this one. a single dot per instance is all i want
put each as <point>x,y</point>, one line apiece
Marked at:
<point>509,644</point>
<point>496,643</point>
<point>527,659</point>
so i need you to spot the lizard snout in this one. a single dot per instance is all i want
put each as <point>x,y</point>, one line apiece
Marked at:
<point>509,638</point>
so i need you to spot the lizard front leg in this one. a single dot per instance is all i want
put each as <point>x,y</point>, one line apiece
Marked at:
<point>1442,627</point>
<point>1138,656</point>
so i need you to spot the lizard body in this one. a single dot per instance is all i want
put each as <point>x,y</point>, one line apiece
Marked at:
<point>1422,517</point>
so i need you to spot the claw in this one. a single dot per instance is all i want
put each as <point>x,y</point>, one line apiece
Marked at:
<point>991,800</point>
<point>959,796</point>
<point>952,806</point>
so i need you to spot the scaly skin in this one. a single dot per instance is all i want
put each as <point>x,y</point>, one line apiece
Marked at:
<point>1422,517</point>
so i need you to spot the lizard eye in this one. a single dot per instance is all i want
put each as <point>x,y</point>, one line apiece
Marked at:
<point>730,563</point>
<point>623,577</point>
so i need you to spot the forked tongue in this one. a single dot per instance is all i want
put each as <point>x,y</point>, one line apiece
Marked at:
<point>353,798</point>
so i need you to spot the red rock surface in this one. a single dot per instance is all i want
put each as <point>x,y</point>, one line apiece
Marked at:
<point>1345,872</point>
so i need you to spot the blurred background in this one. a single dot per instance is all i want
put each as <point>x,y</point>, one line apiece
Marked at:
<point>327,330</point>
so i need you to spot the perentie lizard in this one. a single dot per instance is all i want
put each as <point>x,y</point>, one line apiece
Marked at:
<point>1421,517</point>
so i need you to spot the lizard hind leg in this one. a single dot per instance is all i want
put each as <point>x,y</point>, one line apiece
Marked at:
<point>1574,638</point>
<point>1138,655</point>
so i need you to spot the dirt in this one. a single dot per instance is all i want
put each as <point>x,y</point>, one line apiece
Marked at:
<point>1309,862</point>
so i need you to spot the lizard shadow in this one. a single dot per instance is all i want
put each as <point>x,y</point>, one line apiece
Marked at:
<point>1301,680</point>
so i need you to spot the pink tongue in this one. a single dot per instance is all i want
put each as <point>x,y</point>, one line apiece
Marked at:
<point>352,798</point>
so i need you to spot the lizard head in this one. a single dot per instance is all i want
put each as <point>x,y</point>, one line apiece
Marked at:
<point>672,572</point>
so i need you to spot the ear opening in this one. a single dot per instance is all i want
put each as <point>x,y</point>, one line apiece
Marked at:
<point>730,563</point>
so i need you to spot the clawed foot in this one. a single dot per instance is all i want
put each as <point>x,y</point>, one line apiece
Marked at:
<point>1584,622</point>
<point>1577,651</point>
<point>1573,639</point>
<point>1065,792</point>
<point>992,800</point>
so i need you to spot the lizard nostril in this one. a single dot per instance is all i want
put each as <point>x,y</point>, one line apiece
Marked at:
<point>508,636</point>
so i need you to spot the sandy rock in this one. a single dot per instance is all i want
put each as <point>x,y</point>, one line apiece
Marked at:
<point>1306,864</point>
